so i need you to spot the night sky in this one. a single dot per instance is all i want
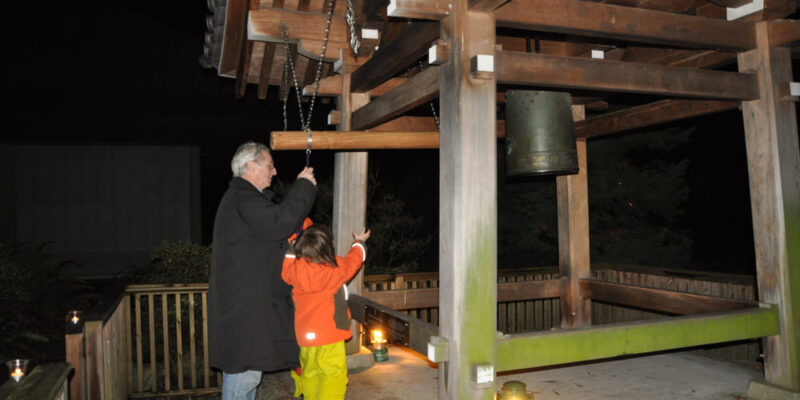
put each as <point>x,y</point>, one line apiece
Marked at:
<point>103,72</point>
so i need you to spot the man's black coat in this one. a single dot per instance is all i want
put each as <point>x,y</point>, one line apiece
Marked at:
<point>250,312</point>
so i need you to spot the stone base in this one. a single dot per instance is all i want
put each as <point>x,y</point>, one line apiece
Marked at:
<point>360,361</point>
<point>765,391</point>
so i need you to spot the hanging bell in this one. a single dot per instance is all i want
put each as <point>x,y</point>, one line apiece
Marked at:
<point>540,137</point>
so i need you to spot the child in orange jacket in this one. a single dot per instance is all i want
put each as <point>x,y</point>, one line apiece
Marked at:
<point>322,321</point>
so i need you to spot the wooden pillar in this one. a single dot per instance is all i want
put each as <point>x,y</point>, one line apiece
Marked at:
<point>573,237</point>
<point>773,162</point>
<point>74,356</point>
<point>350,194</point>
<point>467,208</point>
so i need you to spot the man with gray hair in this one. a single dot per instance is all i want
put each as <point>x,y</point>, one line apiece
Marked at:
<point>250,311</point>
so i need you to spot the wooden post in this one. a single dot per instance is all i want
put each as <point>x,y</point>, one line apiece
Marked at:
<point>350,195</point>
<point>93,341</point>
<point>74,356</point>
<point>468,209</point>
<point>573,237</point>
<point>773,162</point>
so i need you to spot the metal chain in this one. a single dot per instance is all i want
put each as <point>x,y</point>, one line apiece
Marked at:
<point>350,17</point>
<point>305,122</point>
<point>433,109</point>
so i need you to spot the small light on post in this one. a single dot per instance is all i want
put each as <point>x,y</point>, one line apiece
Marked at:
<point>379,346</point>
<point>74,322</point>
<point>17,368</point>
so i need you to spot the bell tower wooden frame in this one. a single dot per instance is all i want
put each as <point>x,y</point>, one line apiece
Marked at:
<point>690,37</point>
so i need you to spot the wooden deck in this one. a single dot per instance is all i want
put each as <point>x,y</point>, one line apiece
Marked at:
<point>685,375</point>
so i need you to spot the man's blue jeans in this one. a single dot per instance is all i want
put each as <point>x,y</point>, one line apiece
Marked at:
<point>241,386</point>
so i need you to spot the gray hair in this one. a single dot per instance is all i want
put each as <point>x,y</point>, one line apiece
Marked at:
<point>250,151</point>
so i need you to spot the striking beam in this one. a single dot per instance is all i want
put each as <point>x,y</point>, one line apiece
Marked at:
<point>669,301</point>
<point>394,57</point>
<point>417,90</point>
<point>520,68</point>
<point>649,114</point>
<point>264,25</point>
<point>585,18</point>
<point>531,350</point>
<point>350,140</point>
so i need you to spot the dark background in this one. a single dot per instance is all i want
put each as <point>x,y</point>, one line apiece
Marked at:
<point>128,73</point>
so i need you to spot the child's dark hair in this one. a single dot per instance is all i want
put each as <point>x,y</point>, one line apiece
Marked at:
<point>316,245</point>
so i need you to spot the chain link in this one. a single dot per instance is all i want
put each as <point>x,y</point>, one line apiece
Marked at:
<point>288,66</point>
<point>350,17</point>
<point>433,108</point>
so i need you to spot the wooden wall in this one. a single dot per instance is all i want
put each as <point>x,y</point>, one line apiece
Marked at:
<point>104,205</point>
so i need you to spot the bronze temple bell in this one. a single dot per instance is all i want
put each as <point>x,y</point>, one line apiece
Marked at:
<point>540,137</point>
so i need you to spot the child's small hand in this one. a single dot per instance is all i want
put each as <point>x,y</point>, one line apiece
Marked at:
<point>363,236</point>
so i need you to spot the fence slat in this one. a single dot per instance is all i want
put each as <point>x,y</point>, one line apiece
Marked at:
<point>178,340</point>
<point>151,318</point>
<point>206,369</point>
<point>139,363</point>
<point>165,331</point>
<point>192,356</point>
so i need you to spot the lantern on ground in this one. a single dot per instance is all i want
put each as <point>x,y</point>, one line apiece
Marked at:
<point>514,390</point>
<point>17,368</point>
<point>380,350</point>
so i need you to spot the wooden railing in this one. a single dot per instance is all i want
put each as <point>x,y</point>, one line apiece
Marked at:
<point>168,353</point>
<point>44,382</point>
<point>153,340</point>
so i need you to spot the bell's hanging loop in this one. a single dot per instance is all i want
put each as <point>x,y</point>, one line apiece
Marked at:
<point>540,136</point>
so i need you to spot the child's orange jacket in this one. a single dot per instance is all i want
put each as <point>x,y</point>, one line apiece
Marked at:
<point>313,290</point>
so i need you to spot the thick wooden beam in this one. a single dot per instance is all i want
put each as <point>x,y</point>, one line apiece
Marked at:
<point>350,194</point>
<point>266,68</point>
<point>419,332</point>
<point>394,57</point>
<point>408,124</point>
<point>331,86</point>
<point>572,198</point>
<point>468,211</point>
<point>662,300</point>
<point>531,350</point>
<point>236,19</point>
<point>773,162</point>
<point>363,140</point>
<point>585,18</point>
<point>785,33</point>
<point>541,70</point>
<point>649,114</point>
<point>264,25</point>
<point>417,90</point>
<point>419,9</point>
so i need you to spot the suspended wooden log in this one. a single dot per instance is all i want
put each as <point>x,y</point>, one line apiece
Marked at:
<point>350,140</point>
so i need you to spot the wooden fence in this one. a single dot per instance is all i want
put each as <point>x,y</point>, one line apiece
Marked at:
<point>153,340</point>
<point>168,352</point>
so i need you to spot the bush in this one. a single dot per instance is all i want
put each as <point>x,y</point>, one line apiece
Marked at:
<point>35,299</point>
<point>177,262</point>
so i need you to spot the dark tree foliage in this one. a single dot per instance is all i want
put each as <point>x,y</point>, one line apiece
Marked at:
<point>398,239</point>
<point>638,188</point>
<point>637,193</point>
<point>35,299</point>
